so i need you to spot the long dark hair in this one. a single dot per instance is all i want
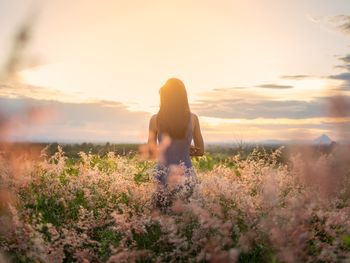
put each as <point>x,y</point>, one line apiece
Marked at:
<point>174,113</point>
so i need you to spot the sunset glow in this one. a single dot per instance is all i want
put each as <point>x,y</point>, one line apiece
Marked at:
<point>253,69</point>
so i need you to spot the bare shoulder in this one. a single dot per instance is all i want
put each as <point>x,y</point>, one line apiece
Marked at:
<point>194,116</point>
<point>154,118</point>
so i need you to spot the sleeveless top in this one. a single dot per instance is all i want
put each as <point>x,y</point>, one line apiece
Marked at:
<point>177,153</point>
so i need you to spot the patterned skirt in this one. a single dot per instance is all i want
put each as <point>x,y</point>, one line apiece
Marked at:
<point>174,183</point>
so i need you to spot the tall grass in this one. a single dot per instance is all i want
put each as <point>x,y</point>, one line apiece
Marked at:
<point>101,209</point>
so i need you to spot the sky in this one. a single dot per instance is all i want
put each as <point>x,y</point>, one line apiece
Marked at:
<point>254,70</point>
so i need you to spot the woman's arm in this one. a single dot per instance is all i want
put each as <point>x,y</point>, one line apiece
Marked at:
<point>198,149</point>
<point>152,130</point>
<point>149,150</point>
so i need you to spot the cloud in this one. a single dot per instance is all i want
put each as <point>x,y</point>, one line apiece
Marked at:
<point>296,77</point>
<point>264,108</point>
<point>274,86</point>
<point>339,22</point>
<point>343,23</point>
<point>345,75</point>
<point>15,89</point>
<point>341,76</point>
<point>103,121</point>
<point>232,88</point>
<point>5,86</point>
<point>281,129</point>
<point>77,122</point>
<point>345,59</point>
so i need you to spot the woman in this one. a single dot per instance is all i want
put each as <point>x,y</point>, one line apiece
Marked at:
<point>174,126</point>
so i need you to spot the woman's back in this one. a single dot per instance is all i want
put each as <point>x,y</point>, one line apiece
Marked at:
<point>174,120</point>
<point>178,151</point>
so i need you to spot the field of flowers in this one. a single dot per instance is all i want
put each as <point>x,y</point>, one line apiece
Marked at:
<point>103,209</point>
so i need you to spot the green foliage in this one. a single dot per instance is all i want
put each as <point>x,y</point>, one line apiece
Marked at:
<point>75,204</point>
<point>190,227</point>
<point>346,241</point>
<point>106,238</point>
<point>124,198</point>
<point>203,163</point>
<point>149,239</point>
<point>103,164</point>
<point>68,253</point>
<point>143,174</point>
<point>257,254</point>
<point>209,161</point>
<point>19,258</point>
<point>51,209</point>
<point>312,248</point>
<point>141,177</point>
<point>49,206</point>
<point>70,169</point>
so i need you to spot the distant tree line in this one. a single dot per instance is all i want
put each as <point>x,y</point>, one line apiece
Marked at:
<point>72,150</point>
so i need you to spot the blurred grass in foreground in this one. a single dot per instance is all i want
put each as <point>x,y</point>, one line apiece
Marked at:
<point>98,208</point>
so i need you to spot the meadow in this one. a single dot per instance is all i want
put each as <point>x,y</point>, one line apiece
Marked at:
<point>101,203</point>
<point>102,208</point>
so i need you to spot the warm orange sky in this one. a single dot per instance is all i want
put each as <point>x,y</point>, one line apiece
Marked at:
<point>254,70</point>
